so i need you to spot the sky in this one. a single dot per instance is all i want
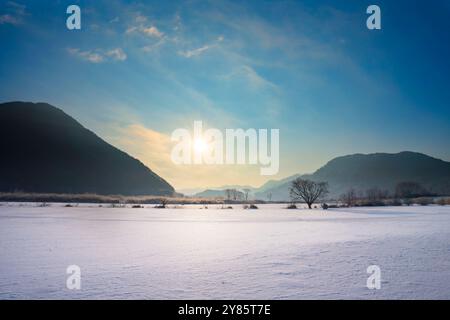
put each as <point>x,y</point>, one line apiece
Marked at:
<point>138,70</point>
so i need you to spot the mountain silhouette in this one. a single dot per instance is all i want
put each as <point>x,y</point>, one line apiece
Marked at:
<point>46,151</point>
<point>382,170</point>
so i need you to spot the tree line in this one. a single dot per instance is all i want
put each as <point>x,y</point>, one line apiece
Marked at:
<point>310,192</point>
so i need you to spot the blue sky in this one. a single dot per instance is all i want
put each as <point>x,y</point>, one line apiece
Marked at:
<point>138,70</point>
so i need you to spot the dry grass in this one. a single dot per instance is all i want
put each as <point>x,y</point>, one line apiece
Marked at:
<point>108,199</point>
<point>423,201</point>
<point>118,200</point>
<point>96,198</point>
<point>443,201</point>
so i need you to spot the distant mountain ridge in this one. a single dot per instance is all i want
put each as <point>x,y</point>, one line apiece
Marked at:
<point>44,150</point>
<point>271,184</point>
<point>210,194</point>
<point>382,170</point>
<point>219,192</point>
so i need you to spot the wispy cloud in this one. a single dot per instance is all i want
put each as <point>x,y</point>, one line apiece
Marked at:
<point>16,14</point>
<point>152,47</point>
<point>9,19</point>
<point>131,29</point>
<point>254,78</point>
<point>200,50</point>
<point>177,22</point>
<point>152,32</point>
<point>141,25</point>
<point>114,20</point>
<point>194,52</point>
<point>99,55</point>
<point>18,8</point>
<point>140,18</point>
<point>89,56</point>
<point>117,54</point>
<point>251,76</point>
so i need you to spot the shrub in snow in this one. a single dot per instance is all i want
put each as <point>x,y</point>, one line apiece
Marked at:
<point>371,203</point>
<point>395,202</point>
<point>443,201</point>
<point>407,202</point>
<point>423,201</point>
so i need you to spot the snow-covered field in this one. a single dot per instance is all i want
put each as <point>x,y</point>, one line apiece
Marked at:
<point>192,253</point>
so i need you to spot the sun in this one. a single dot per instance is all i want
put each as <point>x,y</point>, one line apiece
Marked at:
<point>200,145</point>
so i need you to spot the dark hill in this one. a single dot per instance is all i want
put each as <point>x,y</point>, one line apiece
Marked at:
<point>382,170</point>
<point>44,150</point>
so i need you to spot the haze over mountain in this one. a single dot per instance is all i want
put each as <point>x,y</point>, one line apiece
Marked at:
<point>44,150</point>
<point>271,184</point>
<point>219,192</point>
<point>382,170</point>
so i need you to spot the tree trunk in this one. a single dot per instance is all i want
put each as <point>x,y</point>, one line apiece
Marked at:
<point>309,205</point>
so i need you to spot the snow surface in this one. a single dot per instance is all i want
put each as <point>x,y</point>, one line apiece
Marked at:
<point>193,253</point>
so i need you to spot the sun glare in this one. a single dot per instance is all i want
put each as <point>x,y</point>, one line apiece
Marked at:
<point>200,145</point>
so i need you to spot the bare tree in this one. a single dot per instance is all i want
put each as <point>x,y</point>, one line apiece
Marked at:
<point>307,190</point>
<point>238,195</point>
<point>228,194</point>
<point>410,190</point>
<point>376,194</point>
<point>162,203</point>
<point>246,192</point>
<point>269,196</point>
<point>349,198</point>
<point>234,192</point>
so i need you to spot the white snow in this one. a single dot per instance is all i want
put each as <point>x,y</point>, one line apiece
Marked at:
<point>193,253</point>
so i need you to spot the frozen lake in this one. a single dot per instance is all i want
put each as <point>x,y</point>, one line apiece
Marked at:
<point>192,253</point>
